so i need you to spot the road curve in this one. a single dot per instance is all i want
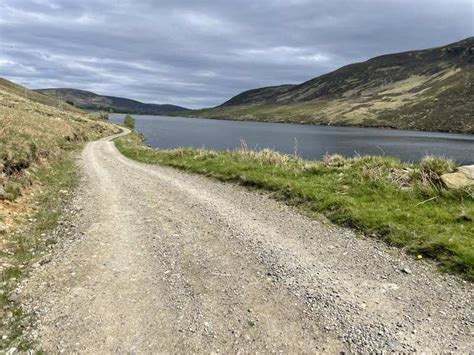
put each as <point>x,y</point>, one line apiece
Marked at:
<point>163,261</point>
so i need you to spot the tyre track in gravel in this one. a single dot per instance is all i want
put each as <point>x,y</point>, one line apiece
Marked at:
<point>171,262</point>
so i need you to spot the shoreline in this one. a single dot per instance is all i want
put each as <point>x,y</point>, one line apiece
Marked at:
<point>319,124</point>
<point>406,205</point>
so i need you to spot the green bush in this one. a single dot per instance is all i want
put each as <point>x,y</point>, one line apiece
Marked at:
<point>104,116</point>
<point>129,122</point>
<point>13,190</point>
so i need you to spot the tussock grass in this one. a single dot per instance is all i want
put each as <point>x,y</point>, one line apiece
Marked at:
<point>431,169</point>
<point>380,196</point>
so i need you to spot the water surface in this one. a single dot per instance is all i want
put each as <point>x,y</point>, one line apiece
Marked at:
<point>310,142</point>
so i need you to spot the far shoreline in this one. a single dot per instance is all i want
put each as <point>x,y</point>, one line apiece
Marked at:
<point>305,123</point>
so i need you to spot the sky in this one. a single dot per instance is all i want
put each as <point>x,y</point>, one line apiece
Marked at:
<point>200,53</point>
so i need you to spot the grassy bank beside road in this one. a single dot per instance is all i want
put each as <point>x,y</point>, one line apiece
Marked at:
<point>30,242</point>
<point>38,147</point>
<point>404,204</point>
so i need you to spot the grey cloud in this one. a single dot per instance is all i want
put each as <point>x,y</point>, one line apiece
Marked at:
<point>199,53</point>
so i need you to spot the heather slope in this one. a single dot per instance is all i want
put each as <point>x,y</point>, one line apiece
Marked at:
<point>430,89</point>
<point>91,101</point>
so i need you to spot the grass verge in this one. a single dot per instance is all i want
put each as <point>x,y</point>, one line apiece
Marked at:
<point>32,243</point>
<point>404,204</point>
<point>37,144</point>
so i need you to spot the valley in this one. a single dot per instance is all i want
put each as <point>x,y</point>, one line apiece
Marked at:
<point>429,90</point>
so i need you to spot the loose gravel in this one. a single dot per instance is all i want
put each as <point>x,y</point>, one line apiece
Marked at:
<point>151,259</point>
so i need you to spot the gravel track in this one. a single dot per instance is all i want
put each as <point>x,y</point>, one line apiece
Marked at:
<point>157,260</point>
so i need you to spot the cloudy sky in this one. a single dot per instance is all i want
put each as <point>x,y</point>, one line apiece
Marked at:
<point>199,53</point>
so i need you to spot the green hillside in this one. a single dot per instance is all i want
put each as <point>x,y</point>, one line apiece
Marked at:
<point>90,101</point>
<point>430,89</point>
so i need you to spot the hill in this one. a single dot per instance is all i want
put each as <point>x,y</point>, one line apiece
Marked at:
<point>39,141</point>
<point>430,89</point>
<point>90,101</point>
<point>37,132</point>
<point>18,90</point>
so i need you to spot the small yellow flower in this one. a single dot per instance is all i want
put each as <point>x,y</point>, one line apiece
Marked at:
<point>419,257</point>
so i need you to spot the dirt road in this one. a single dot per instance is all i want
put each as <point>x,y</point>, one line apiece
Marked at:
<point>161,261</point>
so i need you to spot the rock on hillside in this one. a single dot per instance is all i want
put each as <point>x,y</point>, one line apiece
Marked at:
<point>462,178</point>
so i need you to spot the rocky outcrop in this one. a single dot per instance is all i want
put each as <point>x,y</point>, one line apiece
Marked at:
<point>463,177</point>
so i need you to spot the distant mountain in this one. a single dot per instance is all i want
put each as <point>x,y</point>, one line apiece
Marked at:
<point>91,101</point>
<point>430,89</point>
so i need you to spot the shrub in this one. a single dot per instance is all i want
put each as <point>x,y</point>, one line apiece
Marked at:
<point>129,122</point>
<point>13,190</point>
<point>104,116</point>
